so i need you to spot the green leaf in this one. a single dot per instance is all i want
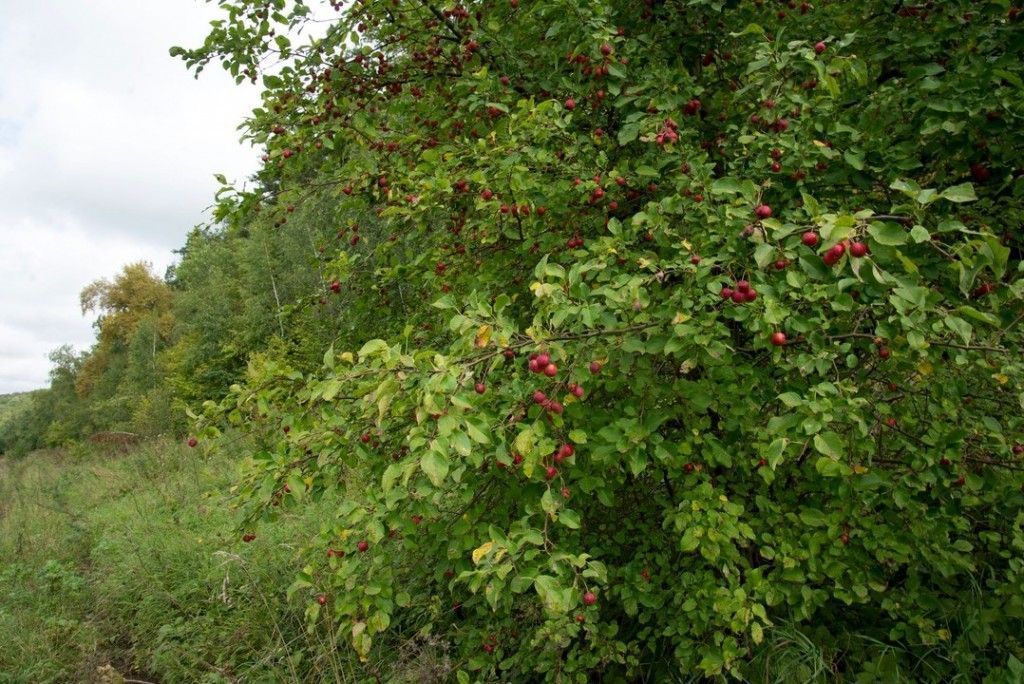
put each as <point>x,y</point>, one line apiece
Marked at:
<point>790,399</point>
<point>577,436</point>
<point>920,234</point>
<point>960,327</point>
<point>960,193</point>
<point>391,475</point>
<point>296,485</point>
<point>435,465</point>
<point>764,254</point>
<point>814,267</point>
<point>888,234</point>
<point>569,518</point>
<point>628,133</point>
<point>980,316</point>
<point>828,467</point>
<point>829,443</point>
<point>727,186</point>
<point>907,187</point>
<point>550,591</point>
<point>476,433</point>
<point>854,160</point>
<point>548,502</point>
<point>813,517</point>
<point>372,347</point>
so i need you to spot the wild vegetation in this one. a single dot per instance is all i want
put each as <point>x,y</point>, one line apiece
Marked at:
<point>128,566</point>
<point>623,340</point>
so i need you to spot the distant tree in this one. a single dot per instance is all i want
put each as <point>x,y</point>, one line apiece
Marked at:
<point>135,301</point>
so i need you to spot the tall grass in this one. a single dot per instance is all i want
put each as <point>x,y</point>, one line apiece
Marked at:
<point>130,564</point>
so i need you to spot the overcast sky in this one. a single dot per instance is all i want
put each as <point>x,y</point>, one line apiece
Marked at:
<point>107,153</point>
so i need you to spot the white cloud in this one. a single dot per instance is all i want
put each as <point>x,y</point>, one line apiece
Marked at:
<point>108,148</point>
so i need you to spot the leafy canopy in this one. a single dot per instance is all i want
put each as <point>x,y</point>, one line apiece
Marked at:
<point>770,257</point>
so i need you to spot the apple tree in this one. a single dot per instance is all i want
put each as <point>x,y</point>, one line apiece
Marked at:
<point>698,331</point>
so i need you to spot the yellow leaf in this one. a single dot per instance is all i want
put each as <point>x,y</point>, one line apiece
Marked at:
<point>347,357</point>
<point>1000,378</point>
<point>481,551</point>
<point>680,318</point>
<point>820,144</point>
<point>687,245</point>
<point>483,336</point>
<point>925,368</point>
<point>361,641</point>
<point>859,469</point>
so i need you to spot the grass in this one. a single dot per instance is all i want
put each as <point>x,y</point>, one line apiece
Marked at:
<point>130,566</point>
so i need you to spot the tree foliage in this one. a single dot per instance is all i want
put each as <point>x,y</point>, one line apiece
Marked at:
<point>675,334</point>
<point>641,339</point>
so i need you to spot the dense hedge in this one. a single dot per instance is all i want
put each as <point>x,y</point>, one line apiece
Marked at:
<point>679,338</point>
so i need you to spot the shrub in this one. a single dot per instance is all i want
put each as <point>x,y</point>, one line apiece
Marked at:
<point>701,332</point>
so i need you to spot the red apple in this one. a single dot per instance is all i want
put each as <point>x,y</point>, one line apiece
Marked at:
<point>779,339</point>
